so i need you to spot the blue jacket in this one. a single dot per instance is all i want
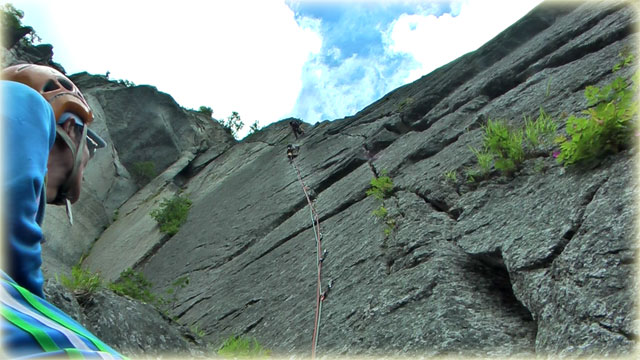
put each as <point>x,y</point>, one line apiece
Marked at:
<point>30,326</point>
<point>29,134</point>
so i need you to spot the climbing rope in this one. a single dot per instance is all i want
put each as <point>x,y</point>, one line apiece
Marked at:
<point>320,296</point>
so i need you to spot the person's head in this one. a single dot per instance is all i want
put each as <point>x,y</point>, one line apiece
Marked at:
<point>75,142</point>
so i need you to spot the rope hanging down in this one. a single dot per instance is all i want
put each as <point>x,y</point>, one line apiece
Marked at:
<point>320,256</point>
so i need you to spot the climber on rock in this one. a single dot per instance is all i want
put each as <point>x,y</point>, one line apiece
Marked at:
<point>47,145</point>
<point>296,127</point>
<point>292,151</point>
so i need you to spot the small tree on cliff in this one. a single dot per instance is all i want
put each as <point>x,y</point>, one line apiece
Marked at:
<point>233,124</point>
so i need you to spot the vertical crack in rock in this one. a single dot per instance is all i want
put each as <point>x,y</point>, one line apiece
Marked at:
<point>568,235</point>
<point>491,266</point>
<point>440,206</point>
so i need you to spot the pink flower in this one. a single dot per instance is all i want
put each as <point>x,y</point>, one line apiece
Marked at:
<point>556,154</point>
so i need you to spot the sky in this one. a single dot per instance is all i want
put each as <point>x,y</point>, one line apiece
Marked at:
<point>268,59</point>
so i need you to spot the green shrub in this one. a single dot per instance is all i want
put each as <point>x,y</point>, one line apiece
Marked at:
<point>242,347</point>
<point>381,187</point>
<point>197,331</point>
<point>126,83</point>
<point>172,214</point>
<point>381,212</point>
<point>206,110</point>
<point>172,291</point>
<point>232,124</point>
<point>389,225</point>
<point>451,176</point>
<point>608,125</point>
<point>134,285</point>
<point>505,144</point>
<point>485,159</point>
<point>12,28</point>
<point>541,131</point>
<point>254,127</point>
<point>81,280</point>
<point>404,103</point>
<point>11,17</point>
<point>144,171</point>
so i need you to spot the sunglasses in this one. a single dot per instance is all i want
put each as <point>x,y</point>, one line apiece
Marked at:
<point>94,141</point>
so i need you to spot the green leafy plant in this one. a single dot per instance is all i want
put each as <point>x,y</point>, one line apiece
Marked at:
<point>471,176</point>
<point>126,83</point>
<point>144,171</point>
<point>254,127</point>
<point>82,281</point>
<point>451,176</point>
<point>232,124</point>
<point>608,124</point>
<point>242,347</point>
<point>206,110</point>
<point>404,103</point>
<point>197,331</point>
<point>134,285</point>
<point>12,28</point>
<point>389,225</point>
<point>626,60</point>
<point>172,214</point>
<point>381,187</point>
<point>485,159</point>
<point>541,131</point>
<point>505,144</point>
<point>548,91</point>
<point>381,212</point>
<point>172,292</point>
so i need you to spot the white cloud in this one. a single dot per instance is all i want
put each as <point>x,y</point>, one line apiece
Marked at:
<point>254,57</point>
<point>435,41</point>
<point>244,56</point>
<point>332,92</point>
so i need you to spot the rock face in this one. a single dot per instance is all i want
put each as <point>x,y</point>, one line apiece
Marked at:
<point>131,327</point>
<point>541,262</point>
<point>538,263</point>
<point>140,125</point>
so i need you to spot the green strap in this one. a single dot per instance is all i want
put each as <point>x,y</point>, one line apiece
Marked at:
<point>40,335</point>
<point>74,353</point>
<point>53,316</point>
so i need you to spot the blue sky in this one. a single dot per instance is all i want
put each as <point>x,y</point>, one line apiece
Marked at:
<point>268,59</point>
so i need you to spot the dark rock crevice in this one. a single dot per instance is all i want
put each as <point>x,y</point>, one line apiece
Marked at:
<point>432,149</point>
<point>568,235</point>
<point>609,328</point>
<point>491,266</point>
<point>416,296</point>
<point>250,327</point>
<point>185,311</point>
<point>548,260</point>
<point>350,165</point>
<point>440,206</point>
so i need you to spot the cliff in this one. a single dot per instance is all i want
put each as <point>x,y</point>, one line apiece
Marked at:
<point>539,262</point>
